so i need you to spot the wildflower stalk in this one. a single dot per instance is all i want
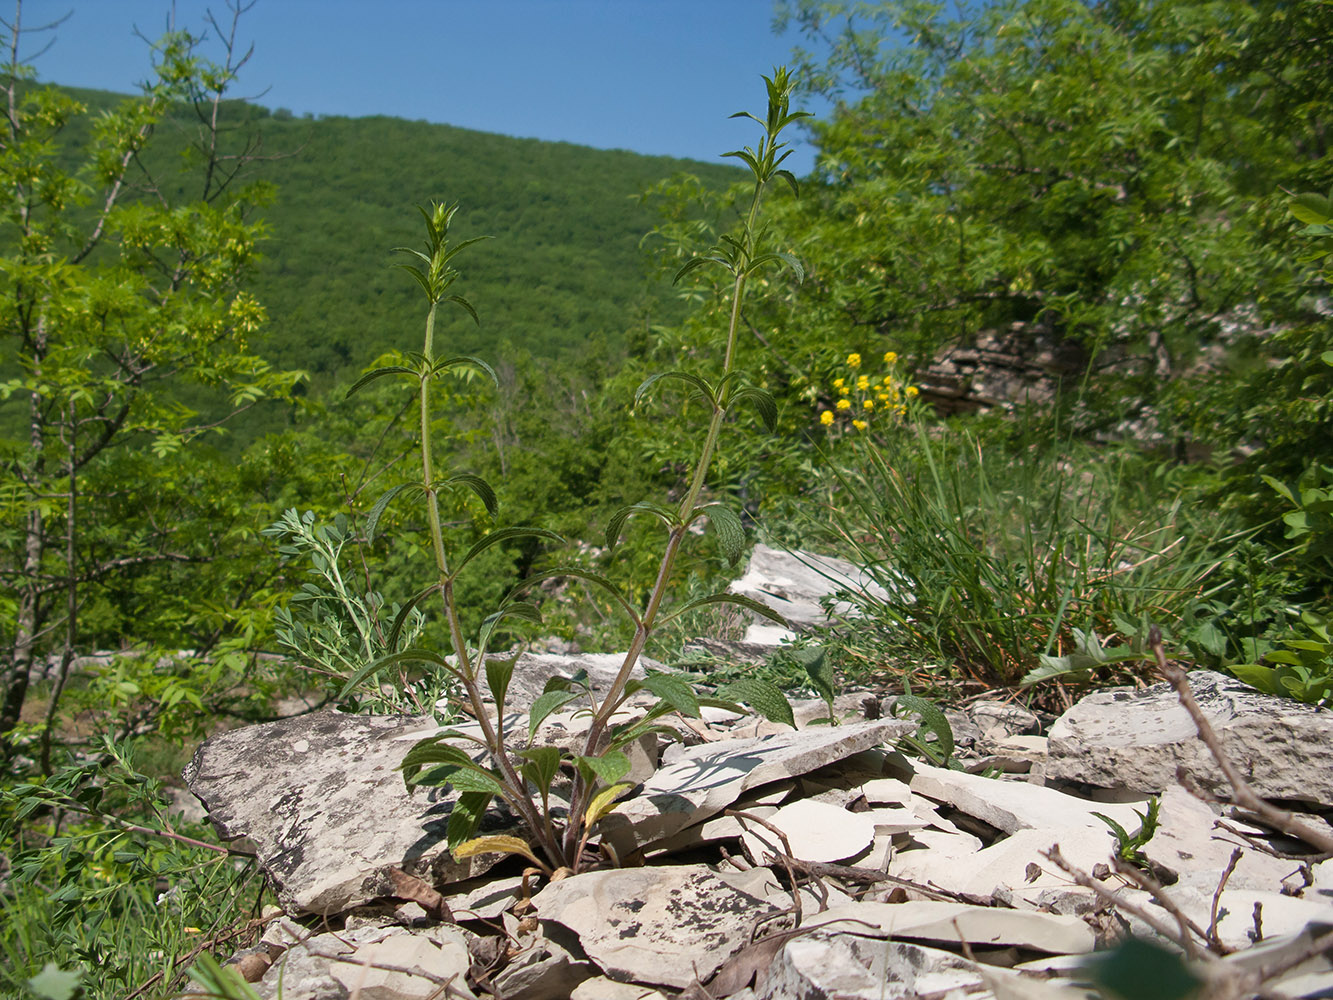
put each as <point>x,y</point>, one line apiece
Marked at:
<point>742,259</point>
<point>435,279</point>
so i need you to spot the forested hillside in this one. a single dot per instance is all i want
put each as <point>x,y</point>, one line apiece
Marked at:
<point>564,264</point>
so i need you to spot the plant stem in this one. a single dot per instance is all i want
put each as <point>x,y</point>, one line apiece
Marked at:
<point>517,787</point>
<point>643,630</point>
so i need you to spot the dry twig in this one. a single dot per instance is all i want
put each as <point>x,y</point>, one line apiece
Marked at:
<point>1243,795</point>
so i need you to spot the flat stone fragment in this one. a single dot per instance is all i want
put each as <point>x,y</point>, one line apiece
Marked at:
<point>1015,805</point>
<point>704,780</point>
<point>1137,739</point>
<point>824,965</point>
<point>794,583</point>
<point>654,925</point>
<point>1188,843</point>
<point>602,988</point>
<point>320,967</point>
<point>544,971</point>
<point>815,831</point>
<point>928,920</point>
<point>1011,719</point>
<point>887,791</point>
<point>364,973</point>
<point>1311,978</point>
<point>890,820</point>
<point>1279,915</point>
<point>1013,864</point>
<point>322,800</point>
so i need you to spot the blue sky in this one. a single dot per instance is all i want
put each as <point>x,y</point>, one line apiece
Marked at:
<point>654,76</point>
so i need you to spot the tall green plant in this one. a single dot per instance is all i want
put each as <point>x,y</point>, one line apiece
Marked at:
<point>514,771</point>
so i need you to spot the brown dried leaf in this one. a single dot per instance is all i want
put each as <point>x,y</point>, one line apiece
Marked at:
<point>750,964</point>
<point>410,887</point>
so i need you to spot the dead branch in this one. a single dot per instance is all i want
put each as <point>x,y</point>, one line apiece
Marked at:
<point>1243,795</point>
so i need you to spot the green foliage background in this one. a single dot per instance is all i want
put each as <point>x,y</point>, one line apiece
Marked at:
<point>1118,177</point>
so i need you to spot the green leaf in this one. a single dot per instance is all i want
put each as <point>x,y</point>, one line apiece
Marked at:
<point>1313,209</point>
<point>377,511</point>
<point>465,361</point>
<point>738,599</point>
<point>465,779</point>
<point>609,767</point>
<point>814,660</point>
<point>499,672</point>
<point>542,765</point>
<point>379,373</point>
<point>675,691</point>
<point>432,750</point>
<point>55,983</point>
<point>220,981</point>
<point>689,378</point>
<point>465,304</point>
<point>616,523</point>
<point>763,696</point>
<point>932,720</point>
<point>763,402</point>
<point>393,659</point>
<point>505,535</point>
<point>1280,488</point>
<point>546,703</point>
<point>1137,969</point>
<point>465,817</point>
<point>517,609</point>
<point>694,263</point>
<point>785,259</point>
<point>1121,834</point>
<point>433,762</point>
<point>478,486</point>
<point>405,612</point>
<point>727,525</point>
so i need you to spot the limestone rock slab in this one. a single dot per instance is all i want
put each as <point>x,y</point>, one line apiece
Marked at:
<point>1137,739</point>
<point>820,966</point>
<point>928,920</point>
<point>653,925</point>
<point>794,583</point>
<point>1014,865</point>
<point>333,966</point>
<point>1014,805</point>
<point>704,780</point>
<point>322,800</point>
<point>366,973</point>
<point>815,831</point>
<point>1187,842</point>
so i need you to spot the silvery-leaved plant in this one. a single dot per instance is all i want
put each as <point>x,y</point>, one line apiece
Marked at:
<point>558,817</point>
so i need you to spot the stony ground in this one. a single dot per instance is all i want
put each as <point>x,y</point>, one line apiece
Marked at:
<point>762,861</point>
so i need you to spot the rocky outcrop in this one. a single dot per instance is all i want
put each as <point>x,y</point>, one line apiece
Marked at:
<point>1138,740</point>
<point>758,861</point>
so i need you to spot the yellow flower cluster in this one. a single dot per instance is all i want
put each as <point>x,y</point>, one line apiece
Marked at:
<point>882,398</point>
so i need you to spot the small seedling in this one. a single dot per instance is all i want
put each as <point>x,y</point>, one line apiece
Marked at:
<point>1129,848</point>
